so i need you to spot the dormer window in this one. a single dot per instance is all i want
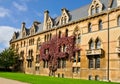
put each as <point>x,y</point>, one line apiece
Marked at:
<point>92,10</point>
<point>63,20</point>
<point>32,31</point>
<point>49,25</point>
<point>95,7</point>
<point>64,17</point>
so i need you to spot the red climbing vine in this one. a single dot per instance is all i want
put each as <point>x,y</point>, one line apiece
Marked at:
<point>50,51</point>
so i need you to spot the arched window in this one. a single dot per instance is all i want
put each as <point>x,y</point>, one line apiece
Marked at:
<point>17,47</point>
<point>97,62</point>
<point>78,56</point>
<point>92,10</point>
<point>21,44</point>
<point>96,77</point>
<point>60,49</point>
<point>22,54</point>
<point>62,20</point>
<point>90,77</point>
<point>64,48</point>
<point>49,25</point>
<point>98,44</point>
<point>74,59</point>
<point>91,62</point>
<point>118,21</point>
<point>38,43</point>
<point>91,45</point>
<point>24,43</point>
<point>79,38</point>
<point>60,34</point>
<point>65,20</point>
<point>89,27</point>
<point>97,8</point>
<point>100,25</point>
<point>45,38</point>
<point>50,36</point>
<point>33,41</point>
<point>66,33</point>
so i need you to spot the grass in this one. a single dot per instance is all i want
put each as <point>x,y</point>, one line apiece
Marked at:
<point>35,79</point>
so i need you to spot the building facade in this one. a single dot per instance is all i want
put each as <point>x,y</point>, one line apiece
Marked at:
<point>83,43</point>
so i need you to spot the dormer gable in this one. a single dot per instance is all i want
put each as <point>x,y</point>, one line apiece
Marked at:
<point>64,17</point>
<point>49,23</point>
<point>14,36</point>
<point>34,27</point>
<point>32,30</point>
<point>95,7</point>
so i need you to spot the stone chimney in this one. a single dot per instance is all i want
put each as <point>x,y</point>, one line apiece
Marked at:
<point>23,26</point>
<point>46,15</point>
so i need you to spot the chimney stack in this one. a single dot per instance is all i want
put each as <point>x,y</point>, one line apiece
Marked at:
<point>46,15</point>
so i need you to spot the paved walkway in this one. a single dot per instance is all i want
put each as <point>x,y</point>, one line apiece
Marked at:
<point>8,81</point>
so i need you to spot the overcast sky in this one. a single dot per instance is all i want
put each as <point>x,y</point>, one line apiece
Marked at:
<point>14,12</point>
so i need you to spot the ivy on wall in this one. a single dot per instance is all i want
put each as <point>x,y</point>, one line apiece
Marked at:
<point>51,51</point>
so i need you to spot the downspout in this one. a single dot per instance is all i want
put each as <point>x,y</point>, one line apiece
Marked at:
<point>108,67</point>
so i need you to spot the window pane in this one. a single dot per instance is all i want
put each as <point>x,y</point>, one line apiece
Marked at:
<point>79,38</point>
<point>100,25</point>
<point>89,27</point>
<point>96,77</point>
<point>74,57</point>
<point>98,46</point>
<point>78,56</point>
<point>119,21</point>
<point>97,9</point>
<point>90,62</point>
<point>92,11</point>
<point>91,45</point>
<point>97,62</point>
<point>90,77</point>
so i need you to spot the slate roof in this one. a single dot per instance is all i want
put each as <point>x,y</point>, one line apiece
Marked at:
<point>75,15</point>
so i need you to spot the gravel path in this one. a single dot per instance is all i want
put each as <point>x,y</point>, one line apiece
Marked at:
<point>8,81</point>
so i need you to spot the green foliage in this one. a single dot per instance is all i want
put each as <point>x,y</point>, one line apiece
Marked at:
<point>35,79</point>
<point>8,58</point>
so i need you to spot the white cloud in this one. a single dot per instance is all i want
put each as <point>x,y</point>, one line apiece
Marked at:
<point>4,12</point>
<point>6,33</point>
<point>20,7</point>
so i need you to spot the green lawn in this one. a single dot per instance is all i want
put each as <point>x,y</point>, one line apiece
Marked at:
<point>34,79</point>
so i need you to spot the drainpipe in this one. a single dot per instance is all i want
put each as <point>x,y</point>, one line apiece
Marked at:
<point>108,67</point>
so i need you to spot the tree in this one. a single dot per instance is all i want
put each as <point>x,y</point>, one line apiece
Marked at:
<point>8,58</point>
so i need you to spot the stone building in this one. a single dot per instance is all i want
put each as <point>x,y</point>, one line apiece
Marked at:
<point>83,43</point>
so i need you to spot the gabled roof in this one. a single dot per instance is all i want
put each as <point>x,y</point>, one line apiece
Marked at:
<point>75,15</point>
